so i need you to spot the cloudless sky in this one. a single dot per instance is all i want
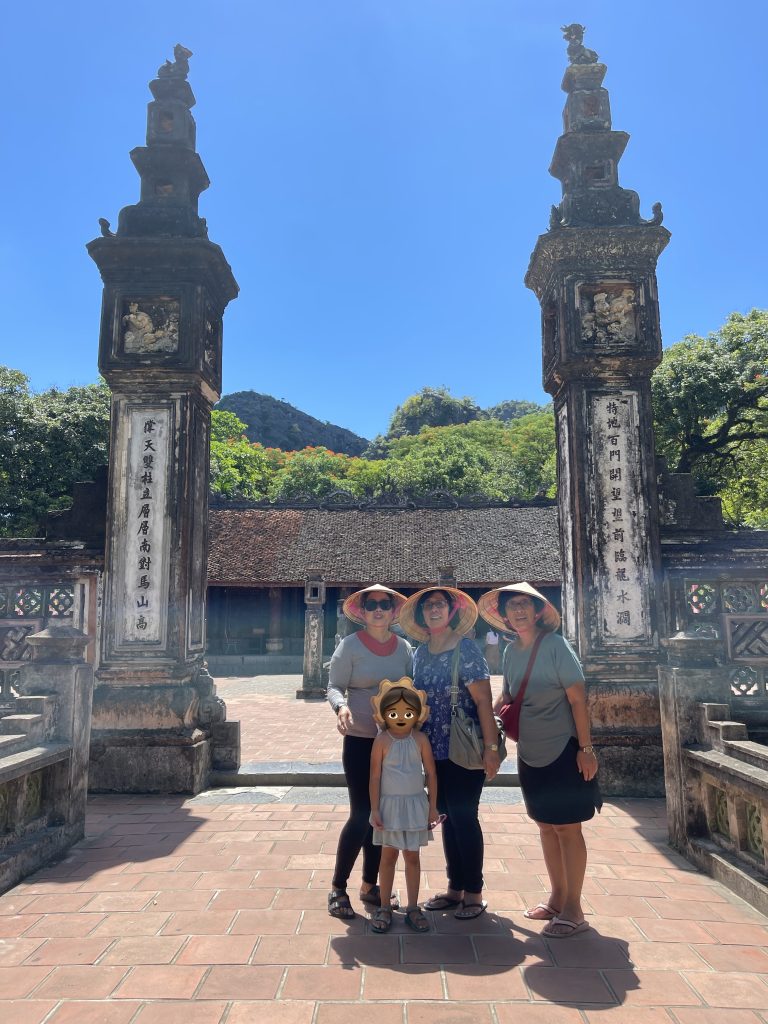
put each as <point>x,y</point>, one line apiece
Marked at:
<point>378,178</point>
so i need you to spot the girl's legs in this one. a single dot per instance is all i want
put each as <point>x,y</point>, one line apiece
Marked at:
<point>387,875</point>
<point>357,833</point>
<point>412,876</point>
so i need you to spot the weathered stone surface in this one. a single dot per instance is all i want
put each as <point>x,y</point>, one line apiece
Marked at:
<point>166,288</point>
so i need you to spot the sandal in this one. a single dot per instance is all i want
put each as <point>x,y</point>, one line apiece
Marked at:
<point>339,905</point>
<point>470,911</point>
<point>416,920</point>
<point>381,921</point>
<point>442,902</point>
<point>373,898</point>
<point>562,928</point>
<point>541,912</point>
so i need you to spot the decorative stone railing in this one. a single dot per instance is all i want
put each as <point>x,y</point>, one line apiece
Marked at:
<point>716,777</point>
<point>44,744</point>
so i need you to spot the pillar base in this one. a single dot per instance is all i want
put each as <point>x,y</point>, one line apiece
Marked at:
<point>140,761</point>
<point>631,765</point>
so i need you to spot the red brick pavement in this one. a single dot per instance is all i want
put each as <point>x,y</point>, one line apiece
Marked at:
<point>211,910</point>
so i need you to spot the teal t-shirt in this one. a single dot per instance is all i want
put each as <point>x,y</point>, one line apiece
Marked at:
<point>546,721</point>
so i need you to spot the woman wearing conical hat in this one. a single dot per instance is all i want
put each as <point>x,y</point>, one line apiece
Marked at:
<point>360,662</point>
<point>556,762</point>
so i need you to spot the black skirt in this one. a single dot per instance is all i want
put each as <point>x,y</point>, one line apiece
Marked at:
<point>557,793</point>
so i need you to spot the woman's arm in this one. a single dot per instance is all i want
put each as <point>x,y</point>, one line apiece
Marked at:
<point>430,774</point>
<point>339,675</point>
<point>480,691</point>
<point>586,760</point>
<point>374,784</point>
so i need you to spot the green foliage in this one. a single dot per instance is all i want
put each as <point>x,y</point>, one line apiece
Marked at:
<point>431,407</point>
<point>239,469</point>
<point>512,409</point>
<point>48,442</point>
<point>710,398</point>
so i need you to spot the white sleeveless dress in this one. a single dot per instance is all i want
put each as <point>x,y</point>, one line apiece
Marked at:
<point>403,802</point>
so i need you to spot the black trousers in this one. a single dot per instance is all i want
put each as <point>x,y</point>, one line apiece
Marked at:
<point>357,833</point>
<point>458,796</point>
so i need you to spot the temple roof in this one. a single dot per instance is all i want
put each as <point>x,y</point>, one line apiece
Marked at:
<point>401,547</point>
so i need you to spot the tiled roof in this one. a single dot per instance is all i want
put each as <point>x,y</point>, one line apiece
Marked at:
<point>405,547</point>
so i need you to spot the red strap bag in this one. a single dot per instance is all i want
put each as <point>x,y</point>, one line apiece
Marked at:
<point>510,713</point>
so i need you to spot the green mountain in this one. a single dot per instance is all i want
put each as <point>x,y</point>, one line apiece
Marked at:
<point>277,424</point>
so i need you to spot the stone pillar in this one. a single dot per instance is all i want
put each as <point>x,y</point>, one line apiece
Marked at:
<point>594,274</point>
<point>165,290</point>
<point>314,624</point>
<point>343,625</point>
<point>691,678</point>
<point>275,632</point>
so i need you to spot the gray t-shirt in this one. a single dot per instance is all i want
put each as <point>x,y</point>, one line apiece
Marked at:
<point>546,721</point>
<point>354,678</point>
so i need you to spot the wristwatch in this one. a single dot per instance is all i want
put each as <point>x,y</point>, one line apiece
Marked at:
<point>492,746</point>
<point>588,750</point>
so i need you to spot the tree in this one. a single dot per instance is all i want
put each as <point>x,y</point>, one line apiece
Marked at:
<point>710,398</point>
<point>512,409</point>
<point>431,407</point>
<point>48,442</point>
<point>239,469</point>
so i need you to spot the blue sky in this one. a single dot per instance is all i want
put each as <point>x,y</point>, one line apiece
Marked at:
<point>378,178</point>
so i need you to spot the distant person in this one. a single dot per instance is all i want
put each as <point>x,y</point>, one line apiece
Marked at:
<point>358,665</point>
<point>556,761</point>
<point>492,651</point>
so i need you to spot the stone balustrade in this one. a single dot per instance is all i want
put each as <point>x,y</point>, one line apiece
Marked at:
<point>44,745</point>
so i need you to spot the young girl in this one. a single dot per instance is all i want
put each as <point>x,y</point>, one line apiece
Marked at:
<point>402,814</point>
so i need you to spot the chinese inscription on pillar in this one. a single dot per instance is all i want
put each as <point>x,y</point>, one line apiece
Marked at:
<point>145,576</point>
<point>621,577</point>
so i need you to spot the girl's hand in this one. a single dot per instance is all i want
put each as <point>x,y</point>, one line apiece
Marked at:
<point>344,720</point>
<point>377,820</point>
<point>587,764</point>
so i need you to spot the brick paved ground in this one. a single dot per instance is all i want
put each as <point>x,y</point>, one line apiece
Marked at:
<point>211,910</point>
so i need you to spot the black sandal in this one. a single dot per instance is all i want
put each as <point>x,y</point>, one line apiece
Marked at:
<point>416,920</point>
<point>381,921</point>
<point>339,905</point>
<point>373,898</point>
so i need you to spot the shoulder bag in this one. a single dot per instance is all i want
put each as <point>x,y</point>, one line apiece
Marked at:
<point>510,713</point>
<point>466,743</point>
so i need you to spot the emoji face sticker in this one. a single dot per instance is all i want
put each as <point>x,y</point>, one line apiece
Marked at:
<point>399,702</point>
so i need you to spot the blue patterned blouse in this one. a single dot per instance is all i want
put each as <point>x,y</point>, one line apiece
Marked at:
<point>432,672</point>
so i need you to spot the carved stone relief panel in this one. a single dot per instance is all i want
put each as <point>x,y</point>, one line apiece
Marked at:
<point>607,314</point>
<point>150,326</point>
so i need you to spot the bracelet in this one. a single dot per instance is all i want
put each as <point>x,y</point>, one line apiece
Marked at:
<point>589,750</point>
<point>492,746</point>
<point>338,708</point>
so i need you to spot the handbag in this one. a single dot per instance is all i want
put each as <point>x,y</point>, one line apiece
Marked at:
<point>510,713</point>
<point>466,745</point>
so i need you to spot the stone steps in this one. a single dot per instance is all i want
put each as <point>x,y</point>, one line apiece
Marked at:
<point>12,744</point>
<point>32,725</point>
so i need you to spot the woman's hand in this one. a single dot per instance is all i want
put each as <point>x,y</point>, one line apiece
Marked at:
<point>491,763</point>
<point>344,720</point>
<point>587,764</point>
<point>377,820</point>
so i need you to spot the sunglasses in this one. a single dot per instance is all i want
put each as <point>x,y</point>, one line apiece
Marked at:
<point>386,605</point>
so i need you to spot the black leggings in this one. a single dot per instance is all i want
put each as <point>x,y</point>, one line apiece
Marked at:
<point>357,833</point>
<point>458,796</point>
